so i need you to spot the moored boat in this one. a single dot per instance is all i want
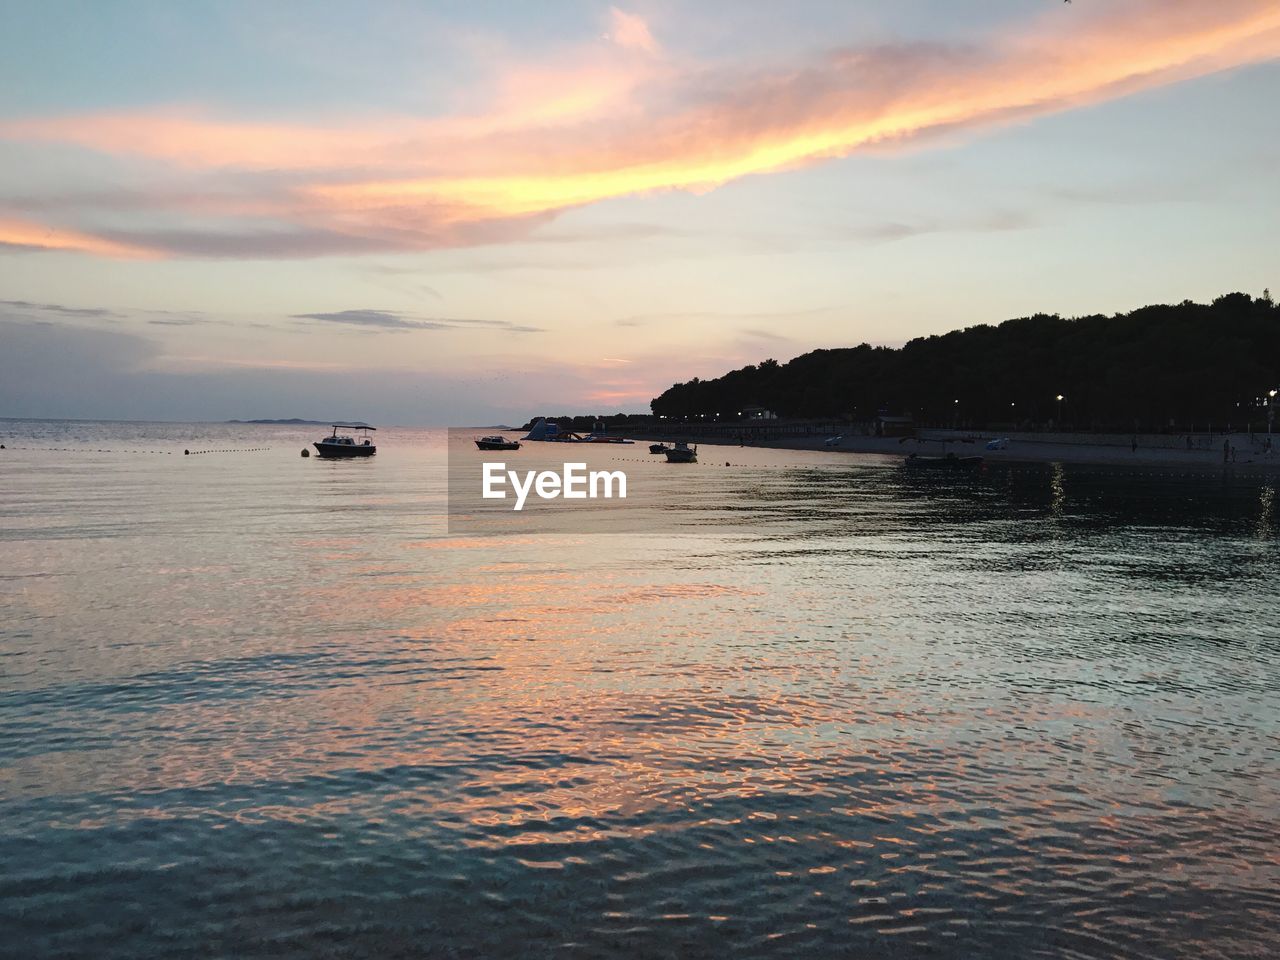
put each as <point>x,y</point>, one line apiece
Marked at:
<point>681,453</point>
<point>658,448</point>
<point>543,429</point>
<point>497,443</point>
<point>341,446</point>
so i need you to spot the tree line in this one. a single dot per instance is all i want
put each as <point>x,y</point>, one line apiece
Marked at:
<point>1178,367</point>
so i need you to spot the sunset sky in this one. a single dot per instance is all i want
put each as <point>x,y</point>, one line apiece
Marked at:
<point>454,213</point>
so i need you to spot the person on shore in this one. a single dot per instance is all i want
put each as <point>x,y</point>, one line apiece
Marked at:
<point>1226,450</point>
<point>1134,442</point>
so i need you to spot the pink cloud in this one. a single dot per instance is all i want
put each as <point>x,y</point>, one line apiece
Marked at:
<point>570,134</point>
<point>26,235</point>
<point>630,30</point>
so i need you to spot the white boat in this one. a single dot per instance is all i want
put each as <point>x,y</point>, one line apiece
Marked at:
<point>342,445</point>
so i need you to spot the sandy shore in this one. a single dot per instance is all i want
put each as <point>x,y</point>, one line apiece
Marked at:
<point>1247,453</point>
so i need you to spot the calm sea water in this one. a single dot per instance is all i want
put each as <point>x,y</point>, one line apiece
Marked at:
<point>253,705</point>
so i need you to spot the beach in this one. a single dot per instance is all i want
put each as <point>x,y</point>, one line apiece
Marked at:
<point>1150,450</point>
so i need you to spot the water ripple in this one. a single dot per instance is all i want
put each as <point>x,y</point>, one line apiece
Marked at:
<point>257,710</point>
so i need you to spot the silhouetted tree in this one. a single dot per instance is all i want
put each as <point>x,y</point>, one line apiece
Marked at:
<point>1185,364</point>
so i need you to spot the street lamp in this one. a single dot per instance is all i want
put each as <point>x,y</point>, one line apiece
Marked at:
<point>1271,410</point>
<point>1060,398</point>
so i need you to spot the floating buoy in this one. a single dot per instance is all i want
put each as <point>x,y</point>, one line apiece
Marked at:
<point>186,453</point>
<point>306,452</point>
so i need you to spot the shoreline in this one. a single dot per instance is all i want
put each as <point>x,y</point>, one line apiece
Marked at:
<point>1042,449</point>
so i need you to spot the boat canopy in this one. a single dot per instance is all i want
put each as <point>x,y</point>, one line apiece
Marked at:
<point>351,426</point>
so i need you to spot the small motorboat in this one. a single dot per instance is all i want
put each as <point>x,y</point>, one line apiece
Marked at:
<point>948,462</point>
<point>344,446</point>
<point>658,448</point>
<point>681,453</point>
<point>497,443</point>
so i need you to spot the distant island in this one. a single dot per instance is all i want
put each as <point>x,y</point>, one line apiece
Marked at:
<point>297,421</point>
<point>1173,367</point>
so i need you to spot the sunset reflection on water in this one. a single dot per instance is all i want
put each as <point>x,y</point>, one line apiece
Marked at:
<point>270,709</point>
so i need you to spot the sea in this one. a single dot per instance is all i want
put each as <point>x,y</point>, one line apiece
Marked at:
<point>806,704</point>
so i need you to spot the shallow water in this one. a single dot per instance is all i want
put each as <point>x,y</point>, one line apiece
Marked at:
<point>255,705</point>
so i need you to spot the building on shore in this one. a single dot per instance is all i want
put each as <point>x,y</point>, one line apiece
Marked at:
<point>888,425</point>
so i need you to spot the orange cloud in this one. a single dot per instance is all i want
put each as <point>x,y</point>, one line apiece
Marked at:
<point>573,134</point>
<point>196,140</point>
<point>35,236</point>
<point>829,112</point>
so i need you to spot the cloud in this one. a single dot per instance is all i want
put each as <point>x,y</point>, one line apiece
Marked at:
<point>52,370</point>
<point>770,335</point>
<point>374,318</point>
<point>29,237</point>
<point>998,222</point>
<point>684,316</point>
<point>250,244</point>
<point>67,368</point>
<point>54,313</point>
<point>95,317</point>
<point>631,31</point>
<point>28,308</point>
<point>386,320</point>
<point>570,134</point>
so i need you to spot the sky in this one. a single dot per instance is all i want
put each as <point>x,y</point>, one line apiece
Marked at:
<point>473,212</point>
